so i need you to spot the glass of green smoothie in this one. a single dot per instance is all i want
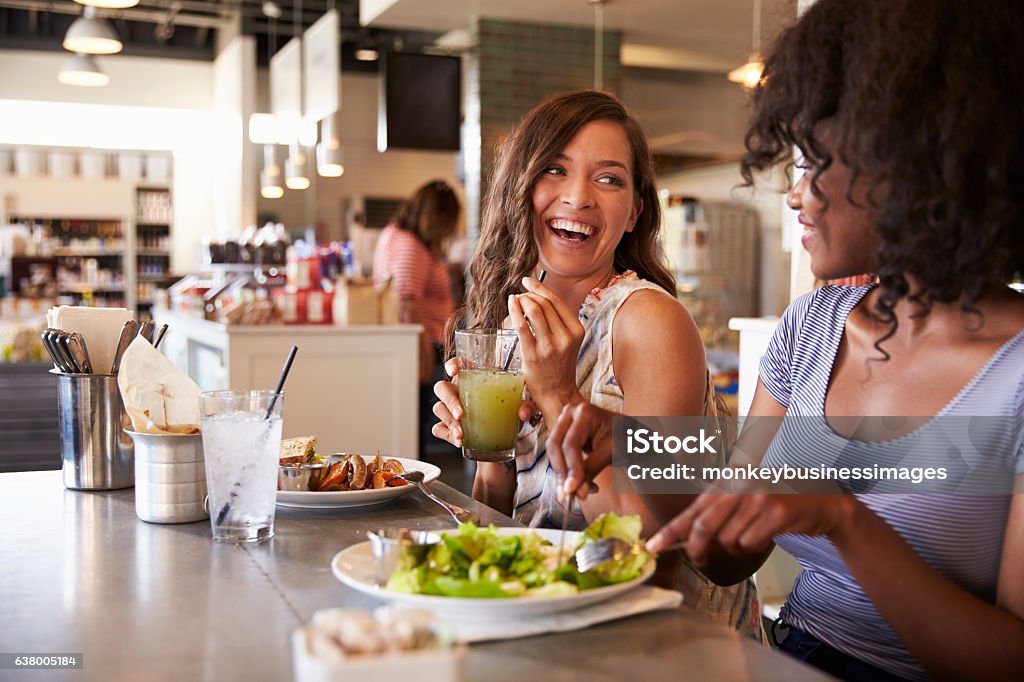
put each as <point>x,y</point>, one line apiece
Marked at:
<point>490,390</point>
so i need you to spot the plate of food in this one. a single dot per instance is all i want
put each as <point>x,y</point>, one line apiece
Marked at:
<point>493,573</point>
<point>308,480</point>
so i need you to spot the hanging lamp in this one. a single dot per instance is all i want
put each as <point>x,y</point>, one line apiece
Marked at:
<point>749,75</point>
<point>82,70</point>
<point>92,35</point>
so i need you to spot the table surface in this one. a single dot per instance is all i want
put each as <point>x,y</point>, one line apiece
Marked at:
<point>82,574</point>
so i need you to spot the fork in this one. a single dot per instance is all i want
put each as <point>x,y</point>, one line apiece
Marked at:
<point>458,513</point>
<point>565,524</point>
<point>595,553</point>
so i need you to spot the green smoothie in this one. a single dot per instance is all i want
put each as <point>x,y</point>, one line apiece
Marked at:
<point>490,399</point>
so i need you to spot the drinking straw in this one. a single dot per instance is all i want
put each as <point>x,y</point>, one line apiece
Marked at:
<point>515,341</point>
<point>280,381</point>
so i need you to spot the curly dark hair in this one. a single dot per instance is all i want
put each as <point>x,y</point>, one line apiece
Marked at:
<point>506,250</point>
<point>926,100</point>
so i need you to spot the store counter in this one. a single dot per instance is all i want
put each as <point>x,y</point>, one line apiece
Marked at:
<point>355,388</point>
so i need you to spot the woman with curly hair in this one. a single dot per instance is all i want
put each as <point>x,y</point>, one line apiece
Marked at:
<point>573,195</point>
<point>909,115</point>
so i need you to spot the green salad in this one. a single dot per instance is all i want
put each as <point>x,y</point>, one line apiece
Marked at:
<point>479,563</point>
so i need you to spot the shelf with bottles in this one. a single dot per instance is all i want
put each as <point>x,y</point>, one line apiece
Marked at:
<point>153,206</point>
<point>153,238</point>
<point>75,237</point>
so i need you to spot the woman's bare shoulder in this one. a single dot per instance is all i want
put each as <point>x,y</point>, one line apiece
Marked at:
<point>650,317</point>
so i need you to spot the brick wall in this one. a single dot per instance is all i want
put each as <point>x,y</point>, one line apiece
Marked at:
<point>511,69</point>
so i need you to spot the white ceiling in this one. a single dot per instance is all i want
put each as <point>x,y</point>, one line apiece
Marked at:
<point>704,35</point>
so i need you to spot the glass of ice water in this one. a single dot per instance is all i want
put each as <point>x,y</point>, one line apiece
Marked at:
<point>241,446</point>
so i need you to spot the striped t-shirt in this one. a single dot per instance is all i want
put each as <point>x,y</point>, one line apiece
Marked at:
<point>959,535</point>
<point>417,275</point>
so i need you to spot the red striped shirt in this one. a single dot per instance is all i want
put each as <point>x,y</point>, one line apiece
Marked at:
<point>417,275</point>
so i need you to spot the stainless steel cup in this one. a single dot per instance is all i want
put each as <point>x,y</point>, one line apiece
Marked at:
<point>388,545</point>
<point>97,453</point>
<point>170,477</point>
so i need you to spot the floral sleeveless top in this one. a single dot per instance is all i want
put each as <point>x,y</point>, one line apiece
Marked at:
<point>536,502</point>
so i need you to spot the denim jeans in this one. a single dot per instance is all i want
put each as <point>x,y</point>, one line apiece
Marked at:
<point>813,651</point>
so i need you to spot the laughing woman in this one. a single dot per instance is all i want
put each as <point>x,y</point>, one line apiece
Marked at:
<point>573,194</point>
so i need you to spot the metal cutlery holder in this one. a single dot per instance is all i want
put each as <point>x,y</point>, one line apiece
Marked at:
<point>96,452</point>
<point>170,477</point>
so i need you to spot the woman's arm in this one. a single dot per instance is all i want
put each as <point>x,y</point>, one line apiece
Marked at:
<point>658,361</point>
<point>953,633</point>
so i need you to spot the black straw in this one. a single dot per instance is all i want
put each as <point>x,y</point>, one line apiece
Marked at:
<point>515,341</point>
<point>280,382</point>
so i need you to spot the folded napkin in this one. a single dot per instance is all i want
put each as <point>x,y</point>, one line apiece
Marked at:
<point>636,601</point>
<point>101,328</point>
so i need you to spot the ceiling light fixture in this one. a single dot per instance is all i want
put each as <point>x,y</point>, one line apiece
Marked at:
<point>329,160</point>
<point>82,69</point>
<point>92,35</point>
<point>109,4</point>
<point>295,174</point>
<point>749,75</point>
<point>270,176</point>
<point>366,49</point>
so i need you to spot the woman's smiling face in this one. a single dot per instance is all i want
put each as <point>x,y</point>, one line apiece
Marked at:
<point>584,201</point>
<point>839,230</point>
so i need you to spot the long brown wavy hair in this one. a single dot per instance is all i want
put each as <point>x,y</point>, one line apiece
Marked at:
<point>506,251</point>
<point>431,214</point>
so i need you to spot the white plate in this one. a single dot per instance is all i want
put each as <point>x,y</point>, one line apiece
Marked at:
<point>356,498</point>
<point>354,566</point>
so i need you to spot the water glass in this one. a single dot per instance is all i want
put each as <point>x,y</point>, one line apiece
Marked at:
<point>242,445</point>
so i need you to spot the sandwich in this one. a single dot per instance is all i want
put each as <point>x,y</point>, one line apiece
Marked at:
<point>300,450</point>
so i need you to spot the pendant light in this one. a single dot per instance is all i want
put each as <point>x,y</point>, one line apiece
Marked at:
<point>749,75</point>
<point>82,69</point>
<point>109,4</point>
<point>270,176</point>
<point>296,175</point>
<point>92,35</point>
<point>329,161</point>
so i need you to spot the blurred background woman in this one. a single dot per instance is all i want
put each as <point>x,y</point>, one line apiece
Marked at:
<point>410,252</point>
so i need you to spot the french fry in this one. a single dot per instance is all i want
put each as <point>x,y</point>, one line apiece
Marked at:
<point>336,474</point>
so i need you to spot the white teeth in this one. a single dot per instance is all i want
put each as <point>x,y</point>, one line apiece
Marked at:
<point>572,226</point>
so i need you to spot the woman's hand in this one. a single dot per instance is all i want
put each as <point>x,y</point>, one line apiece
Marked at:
<point>550,350</point>
<point>449,410</point>
<point>580,447</point>
<point>745,523</point>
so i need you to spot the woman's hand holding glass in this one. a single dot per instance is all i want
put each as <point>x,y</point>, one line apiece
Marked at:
<point>550,336</point>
